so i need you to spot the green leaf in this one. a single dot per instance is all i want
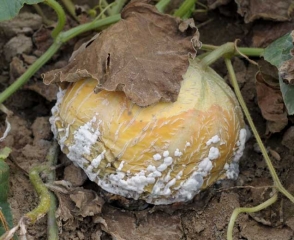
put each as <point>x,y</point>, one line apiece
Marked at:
<point>10,8</point>
<point>4,153</point>
<point>277,53</point>
<point>4,188</point>
<point>5,208</point>
<point>288,95</point>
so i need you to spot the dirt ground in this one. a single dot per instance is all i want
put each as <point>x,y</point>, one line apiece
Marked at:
<point>207,217</point>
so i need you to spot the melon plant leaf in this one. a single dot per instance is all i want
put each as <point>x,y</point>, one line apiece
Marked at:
<point>279,54</point>
<point>6,216</point>
<point>10,8</point>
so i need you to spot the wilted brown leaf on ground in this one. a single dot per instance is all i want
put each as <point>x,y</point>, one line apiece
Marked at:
<point>142,225</point>
<point>270,102</point>
<point>212,4</point>
<point>264,33</point>
<point>145,55</point>
<point>277,10</point>
<point>76,202</point>
<point>286,70</point>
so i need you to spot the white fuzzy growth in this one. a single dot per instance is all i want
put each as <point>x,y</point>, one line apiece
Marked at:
<point>55,113</point>
<point>84,138</point>
<point>232,170</point>
<point>241,145</point>
<point>179,175</point>
<point>96,161</point>
<point>213,153</point>
<point>168,160</point>
<point>178,153</point>
<point>120,166</point>
<point>205,166</point>
<point>151,168</point>
<point>156,156</point>
<point>188,144</point>
<point>165,153</point>
<point>190,187</point>
<point>214,139</point>
<point>162,167</point>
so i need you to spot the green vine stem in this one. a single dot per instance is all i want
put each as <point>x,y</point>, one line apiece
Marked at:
<point>70,7</point>
<point>161,5</point>
<point>185,8</point>
<point>29,72</point>
<point>39,10</point>
<point>277,182</point>
<point>227,48</point>
<point>117,7</point>
<point>257,208</point>
<point>45,201</point>
<point>252,52</point>
<point>66,36</point>
<point>60,14</point>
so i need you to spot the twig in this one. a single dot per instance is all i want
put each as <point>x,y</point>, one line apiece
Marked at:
<point>257,208</point>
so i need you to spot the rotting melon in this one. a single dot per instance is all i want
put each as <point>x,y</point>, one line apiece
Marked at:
<point>164,153</point>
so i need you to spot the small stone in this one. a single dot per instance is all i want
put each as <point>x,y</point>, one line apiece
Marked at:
<point>29,59</point>
<point>75,175</point>
<point>23,23</point>
<point>16,69</point>
<point>17,45</point>
<point>41,129</point>
<point>288,139</point>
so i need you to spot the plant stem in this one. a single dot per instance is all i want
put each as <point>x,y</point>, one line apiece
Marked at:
<point>273,173</point>
<point>217,53</point>
<point>42,191</point>
<point>251,52</point>
<point>161,5</point>
<point>65,36</point>
<point>185,8</point>
<point>70,7</point>
<point>60,14</point>
<point>45,20</point>
<point>237,211</point>
<point>29,72</point>
<point>117,7</point>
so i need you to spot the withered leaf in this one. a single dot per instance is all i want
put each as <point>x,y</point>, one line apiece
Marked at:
<point>270,101</point>
<point>286,70</point>
<point>145,55</point>
<point>278,10</point>
<point>213,4</point>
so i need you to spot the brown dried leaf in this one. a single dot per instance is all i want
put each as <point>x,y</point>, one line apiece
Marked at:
<point>87,202</point>
<point>76,202</point>
<point>278,10</point>
<point>270,101</point>
<point>48,92</point>
<point>264,33</point>
<point>213,4</point>
<point>145,55</point>
<point>287,71</point>
<point>127,225</point>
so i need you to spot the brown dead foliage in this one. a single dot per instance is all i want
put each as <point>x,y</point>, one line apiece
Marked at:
<point>270,101</point>
<point>145,55</point>
<point>286,70</point>
<point>278,10</point>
